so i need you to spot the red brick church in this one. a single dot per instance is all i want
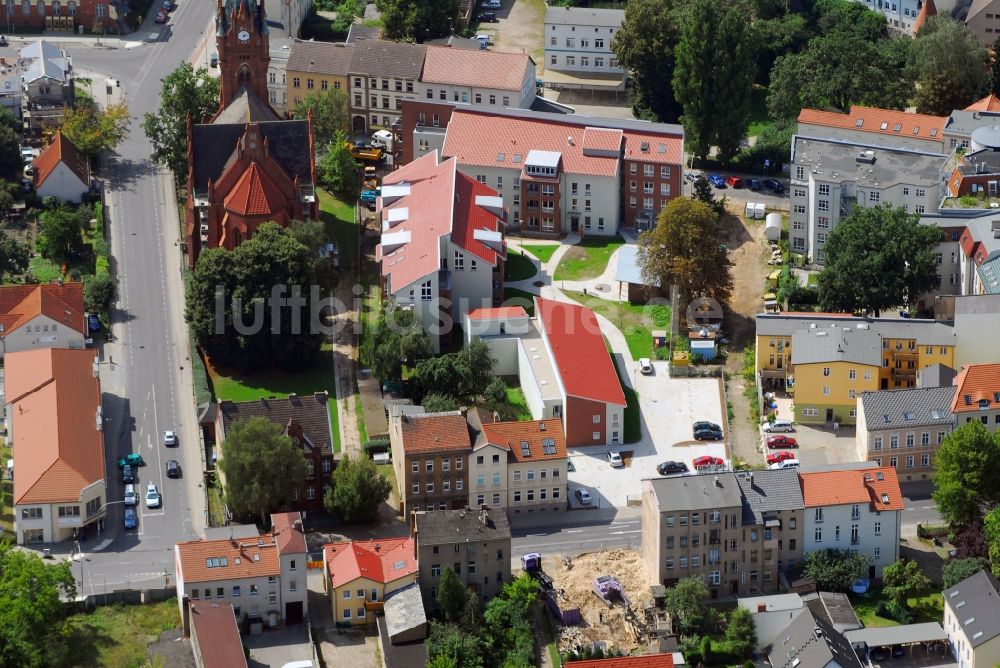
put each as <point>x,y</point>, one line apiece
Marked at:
<point>248,166</point>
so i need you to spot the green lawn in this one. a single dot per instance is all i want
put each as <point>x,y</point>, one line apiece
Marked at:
<point>233,386</point>
<point>338,218</point>
<point>390,474</point>
<point>758,111</point>
<point>116,635</point>
<point>633,419</point>
<point>587,259</point>
<point>515,297</point>
<point>518,267</point>
<point>543,252</point>
<point>359,411</point>
<point>929,608</point>
<point>515,397</point>
<point>636,321</point>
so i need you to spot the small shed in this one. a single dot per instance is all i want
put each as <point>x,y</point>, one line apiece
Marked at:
<point>705,348</point>
<point>630,279</point>
<point>772,226</point>
<point>659,338</point>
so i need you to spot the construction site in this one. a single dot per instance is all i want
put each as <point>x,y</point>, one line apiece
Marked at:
<point>600,598</point>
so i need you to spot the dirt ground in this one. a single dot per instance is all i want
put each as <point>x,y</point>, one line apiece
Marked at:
<point>519,27</point>
<point>749,252</point>
<point>576,581</point>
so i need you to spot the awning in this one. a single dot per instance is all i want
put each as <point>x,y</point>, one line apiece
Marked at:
<point>584,81</point>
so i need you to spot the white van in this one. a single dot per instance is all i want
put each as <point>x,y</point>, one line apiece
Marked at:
<point>787,464</point>
<point>778,426</point>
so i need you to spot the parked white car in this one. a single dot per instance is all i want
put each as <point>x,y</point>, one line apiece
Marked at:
<point>131,498</point>
<point>645,366</point>
<point>615,458</point>
<point>152,496</point>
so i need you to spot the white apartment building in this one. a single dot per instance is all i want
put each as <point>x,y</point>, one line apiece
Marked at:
<point>898,13</point>
<point>854,509</point>
<point>971,621</point>
<point>578,39</point>
<point>478,78</point>
<point>277,68</point>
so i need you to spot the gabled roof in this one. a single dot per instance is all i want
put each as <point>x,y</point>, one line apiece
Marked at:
<point>383,561</point>
<point>696,492</point>
<point>53,401</point>
<point>61,150</point>
<point>977,385</point>
<point>219,642</point>
<point>20,304</point>
<point>255,194</point>
<point>311,412</point>
<point>245,107</point>
<point>435,432</point>
<point>227,559</point>
<point>876,487</point>
<point>975,602</point>
<point>320,57</point>
<point>900,409</point>
<point>584,16</point>
<point>287,531</point>
<point>40,49</point>
<point>810,642</point>
<point>378,58</point>
<point>581,357</point>
<point>46,68</point>
<point>989,103</point>
<point>878,121</point>
<point>477,69</point>
<point>977,7</point>
<point>765,492</point>
<point>445,527</point>
<point>531,441</point>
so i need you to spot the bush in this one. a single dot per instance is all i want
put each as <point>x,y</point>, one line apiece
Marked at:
<point>894,611</point>
<point>377,445</point>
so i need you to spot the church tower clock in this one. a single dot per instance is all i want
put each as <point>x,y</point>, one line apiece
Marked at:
<point>241,37</point>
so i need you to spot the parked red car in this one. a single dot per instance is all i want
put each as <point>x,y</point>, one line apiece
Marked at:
<point>779,456</point>
<point>706,461</point>
<point>775,442</point>
<point>734,182</point>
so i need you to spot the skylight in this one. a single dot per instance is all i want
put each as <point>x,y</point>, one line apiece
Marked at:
<point>908,416</point>
<point>887,419</point>
<point>968,399</point>
<point>937,415</point>
<point>885,125</point>
<point>879,475</point>
<point>897,127</point>
<point>933,132</point>
<point>500,156</point>
<point>517,158</point>
<point>548,446</point>
<point>916,130</point>
<point>525,449</point>
<point>644,147</point>
<point>858,123</point>
<point>662,148</point>
<point>885,498</point>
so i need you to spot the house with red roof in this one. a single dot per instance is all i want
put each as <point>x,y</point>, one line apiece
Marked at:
<point>563,365</point>
<point>977,396</point>
<point>61,171</point>
<point>359,575</point>
<point>49,315</point>
<point>855,508</point>
<point>442,248</point>
<point>555,173</point>
<point>215,637</point>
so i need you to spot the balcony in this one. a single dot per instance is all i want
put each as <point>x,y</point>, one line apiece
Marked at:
<point>905,355</point>
<point>374,606</point>
<point>904,374</point>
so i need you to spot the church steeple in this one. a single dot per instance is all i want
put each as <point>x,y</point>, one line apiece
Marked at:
<point>241,38</point>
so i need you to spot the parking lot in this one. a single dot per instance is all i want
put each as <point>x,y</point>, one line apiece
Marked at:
<point>668,407</point>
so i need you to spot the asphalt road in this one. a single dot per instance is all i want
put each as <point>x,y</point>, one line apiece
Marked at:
<point>145,371</point>
<point>573,538</point>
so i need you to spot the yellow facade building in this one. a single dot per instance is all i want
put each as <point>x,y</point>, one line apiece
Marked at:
<point>315,67</point>
<point>361,574</point>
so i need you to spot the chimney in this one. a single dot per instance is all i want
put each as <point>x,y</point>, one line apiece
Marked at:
<point>751,479</point>
<point>569,140</point>
<point>378,547</point>
<point>718,483</point>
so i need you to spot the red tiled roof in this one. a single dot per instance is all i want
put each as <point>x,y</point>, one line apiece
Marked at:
<point>657,149</point>
<point>602,139</point>
<point>872,120</point>
<point>61,150</point>
<point>219,642</point>
<point>54,399</point>
<point>835,488</point>
<point>382,561</point>
<point>255,194</point>
<point>230,559</point>
<point>647,661</point>
<point>927,11</point>
<point>512,434</point>
<point>989,103</point>
<point>442,201</point>
<point>19,304</point>
<point>975,383</point>
<point>434,432</point>
<point>498,312</point>
<point>478,68</point>
<point>287,533</point>
<point>968,243</point>
<point>581,358</point>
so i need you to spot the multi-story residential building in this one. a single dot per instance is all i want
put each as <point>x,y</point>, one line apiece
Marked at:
<point>50,315</point>
<point>831,367</point>
<point>262,578</point>
<point>61,171</point>
<point>316,67</point>
<point>381,75</point>
<point>857,509</point>
<point>979,243</point>
<point>578,47</point>
<point>810,641</point>
<point>898,13</point>
<point>429,454</point>
<point>736,531</point>
<point>983,19</point>
<point>285,17</point>
<point>48,85</point>
<point>472,542</point>
<point>562,363</point>
<point>520,466</point>
<point>976,318</point>
<point>94,16</point>
<point>479,78</point>
<point>971,621</point>
<point>358,576</point>
<point>904,428</point>
<point>977,396</point>
<point>908,345</point>
<point>870,126</point>
<point>54,427</point>
<point>442,248</point>
<point>277,68</point>
<point>306,420</point>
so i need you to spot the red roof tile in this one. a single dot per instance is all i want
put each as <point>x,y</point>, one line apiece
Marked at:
<point>255,194</point>
<point>512,434</point>
<point>581,358</point>
<point>975,383</point>
<point>54,399</point>
<point>927,11</point>
<point>435,432</point>
<point>382,561</point>
<point>230,559</point>
<point>989,103</point>
<point>876,486</point>
<point>479,68</point>
<point>19,304</point>
<point>649,147</point>
<point>287,530</point>
<point>219,642</point>
<point>602,139</point>
<point>878,121</point>
<point>61,150</point>
<point>647,661</point>
<point>498,312</point>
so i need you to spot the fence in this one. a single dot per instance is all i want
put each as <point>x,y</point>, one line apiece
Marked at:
<point>127,597</point>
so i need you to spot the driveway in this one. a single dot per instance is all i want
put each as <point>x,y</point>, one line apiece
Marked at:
<point>668,407</point>
<point>276,648</point>
<point>744,195</point>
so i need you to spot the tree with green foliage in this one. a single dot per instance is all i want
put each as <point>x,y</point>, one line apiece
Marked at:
<point>338,169</point>
<point>741,632</point>
<point>732,78</point>
<point>684,250</point>
<point>262,468</point>
<point>418,20</point>
<point>356,490</point>
<point>995,69</point>
<point>902,580</point>
<point>991,529</point>
<point>835,570</point>
<point>496,392</point>
<point>93,130</point>
<point>694,74</point>
<point>331,114</point>
<point>463,375</point>
<point>436,402</point>
<point>774,37</point>
<point>61,236</point>
<point>508,620</point>
<point>14,256</point>
<point>965,480</point>
<point>448,645</point>
<point>397,339</point>
<point>309,233</point>
<point>878,258</point>
<point>245,326</point>
<point>685,601</point>
<point>11,163</point>
<point>186,92</point>
<point>947,58</point>
<point>960,569</point>
<point>846,17</point>
<point>32,611</point>
<point>452,595</point>
<point>703,192</point>
<point>645,46</point>
<point>98,293</point>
